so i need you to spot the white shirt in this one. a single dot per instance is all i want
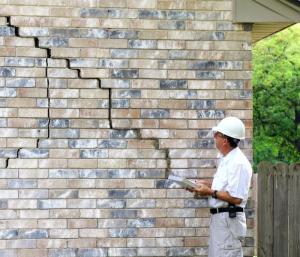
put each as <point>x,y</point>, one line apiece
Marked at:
<point>234,176</point>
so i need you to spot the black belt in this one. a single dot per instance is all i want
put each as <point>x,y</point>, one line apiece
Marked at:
<point>226,209</point>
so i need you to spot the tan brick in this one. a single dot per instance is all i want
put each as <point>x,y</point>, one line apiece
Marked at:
<point>94,52</point>
<point>112,3</point>
<point>112,163</point>
<point>179,124</point>
<point>32,252</point>
<point>51,243</point>
<point>83,243</point>
<point>20,102</point>
<point>63,93</point>
<point>21,142</point>
<point>65,52</point>
<point>156,74</point>
<point>125,113</point>
<point>94,93</point>
<point>30,52</point>
<point>66,153</point>
<point>32,92</point>
<point>24,10</point>
<point>82,223</point>
<point>7,51</point>
<point>98,233</point>
<point>14,41</point>
<point>63,233</point>
<point>94,73</point>
<point>53,163</point>
<point>111,242</point>
<point>33,112</point>
<point>31,72</point>
<point>84,164</point>
<point>64,113</point>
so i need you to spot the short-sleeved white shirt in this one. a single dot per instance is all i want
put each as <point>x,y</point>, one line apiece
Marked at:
<point>234,176</point>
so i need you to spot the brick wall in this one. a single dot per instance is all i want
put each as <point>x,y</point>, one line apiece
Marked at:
<point>100,101</point>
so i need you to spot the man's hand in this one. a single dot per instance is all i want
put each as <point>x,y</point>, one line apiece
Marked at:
<point>201,189</point>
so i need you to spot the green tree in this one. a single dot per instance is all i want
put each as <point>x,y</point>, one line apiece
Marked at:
<point>276,86</point>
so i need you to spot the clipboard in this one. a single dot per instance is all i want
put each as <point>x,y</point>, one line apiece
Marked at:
<point>184,182</point>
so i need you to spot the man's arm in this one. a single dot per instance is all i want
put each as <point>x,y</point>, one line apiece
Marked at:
<point>204,190</point>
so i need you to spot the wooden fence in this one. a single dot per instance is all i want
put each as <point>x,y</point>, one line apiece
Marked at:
<point>278,210</point>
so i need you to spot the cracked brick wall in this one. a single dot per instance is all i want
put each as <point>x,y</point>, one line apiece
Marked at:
<point>99,102</point>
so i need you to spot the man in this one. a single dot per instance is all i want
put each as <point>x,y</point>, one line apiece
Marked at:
<point>228,192</point>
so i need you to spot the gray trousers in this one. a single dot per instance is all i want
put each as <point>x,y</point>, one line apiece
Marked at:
<point>226,235</point>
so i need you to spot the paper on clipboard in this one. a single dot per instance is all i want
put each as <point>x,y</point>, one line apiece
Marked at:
<point>186,183</point>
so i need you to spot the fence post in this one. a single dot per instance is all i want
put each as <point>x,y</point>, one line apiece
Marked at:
<point>294,211</point>
<point>265,209</point>
<point>280,214</point>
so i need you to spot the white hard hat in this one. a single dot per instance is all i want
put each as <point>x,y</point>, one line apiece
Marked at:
<point>232,127</point>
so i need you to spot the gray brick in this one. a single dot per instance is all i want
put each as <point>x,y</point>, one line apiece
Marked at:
<point>40,62</point>
<point>93,153</point>
<point>111,63</point>
<point>22,183</point>
<point>195,203</point>
<point>180,251</point>
<point>8,92</point>
<point>51,204</point>
<point>130,93</point>
<point>209,74</point>
<point>33,234</point>
<point>173,84</point>
<point>179,25</point>
<point>83,143</point>
<point>9,234</point>
<point>206,144</point>
<point>153,173</point>
<point>127,232</point>
<point>67,33</point>
<point>63,173</point>
<point>123,134</point>
<point>125,73</point>
<point>180,15</point>
<point>58,83</point>
<point>128,252</point>
<point>110,204</point>
<point>200,251</point>
<point>211,114</point>
<point>7,31</point>
<point>19,61</point>
<point>233,84</point>
<point>142,223</point>
<point>96,33</point>
<point>111,223</point>
<point>121,173</point>
<point>42,103</point>
<point>120,103</point>
<point>59,123</point>
<point>216,65</point>
<point>122,13</point>
<point>123,34</point>
<point>124,53</point>
<point>64,194</point>
<point>8,253</point>
<point>155,114</point>
<point>8,153</point>
<point>200,104</point>
<point>59,103</point>
<point>93,13</point>
<point>204,133</point>
<point>20,82</point>
<point>115,83</point>
<point>34,153</point>
<point>54,42</point>
<point>33,32</point>
<point>53,143</point>
<point>3,204</point>
<point>69,252</point>
<point>64,133</point>
<point>123,214</point>
<point>217,36</point>
<point>142,44</point>
<point>79,62</point>
<point>122,193</point>
<point>152,14</point>
<point>99,252</point>
<point>7,72</point>
<point>90,173</point>
<point>210,16</point>
<point>43,123</point>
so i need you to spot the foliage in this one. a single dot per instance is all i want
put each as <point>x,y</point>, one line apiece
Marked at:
<point>276,86</point>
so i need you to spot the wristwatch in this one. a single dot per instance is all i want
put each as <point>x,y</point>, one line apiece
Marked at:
<point>214,195</point>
